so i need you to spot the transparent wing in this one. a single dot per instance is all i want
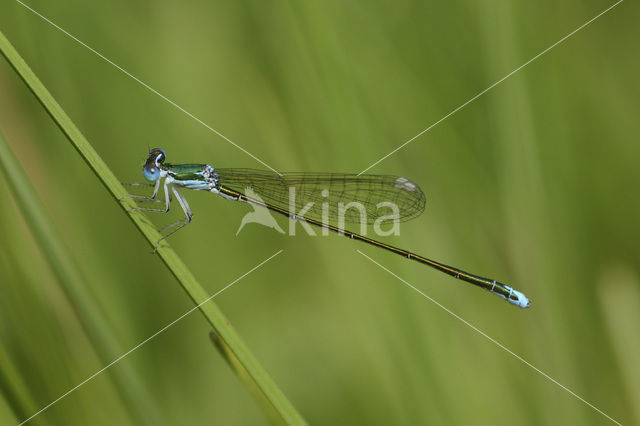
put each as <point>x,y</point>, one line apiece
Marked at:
<point>330,194</point>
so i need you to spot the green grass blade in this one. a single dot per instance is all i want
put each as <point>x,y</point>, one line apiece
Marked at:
<point>227,335</point>
<point>13,389</point>
<point>60,260</point>
<point>6,415</point>
<point>243,375</point>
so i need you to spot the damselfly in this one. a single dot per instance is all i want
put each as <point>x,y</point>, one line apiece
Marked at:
<point>320,199</point>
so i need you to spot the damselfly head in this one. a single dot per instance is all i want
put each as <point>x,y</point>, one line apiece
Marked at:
<point>151,169</point>
<point>156,156</point>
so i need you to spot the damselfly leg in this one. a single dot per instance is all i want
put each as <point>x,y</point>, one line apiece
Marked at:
<point>179,224</point>
<point>169,190</point>
<point>146,198</point>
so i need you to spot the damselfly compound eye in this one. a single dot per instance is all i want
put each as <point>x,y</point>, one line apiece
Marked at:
<point>151,172</point>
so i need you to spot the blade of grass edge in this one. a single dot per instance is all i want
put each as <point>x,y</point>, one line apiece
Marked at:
<point>212,313</point>
<point>242,373</point>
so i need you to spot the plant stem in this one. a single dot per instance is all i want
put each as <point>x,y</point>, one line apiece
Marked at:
<point>227,335</point>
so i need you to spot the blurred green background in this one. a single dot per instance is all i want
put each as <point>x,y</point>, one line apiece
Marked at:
<point>535,183</point>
